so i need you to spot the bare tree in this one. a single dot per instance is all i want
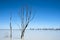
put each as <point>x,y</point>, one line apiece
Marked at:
<point>10,27</point>
<point>25,19</point>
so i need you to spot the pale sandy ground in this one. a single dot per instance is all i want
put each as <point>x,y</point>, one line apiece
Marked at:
<point>31,35</point>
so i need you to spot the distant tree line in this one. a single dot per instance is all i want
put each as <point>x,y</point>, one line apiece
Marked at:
<point>36,29</point>
<point>45,29</point>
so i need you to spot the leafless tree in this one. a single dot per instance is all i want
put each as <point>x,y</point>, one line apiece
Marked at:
<point>25,19</point>
<point>10,27</point>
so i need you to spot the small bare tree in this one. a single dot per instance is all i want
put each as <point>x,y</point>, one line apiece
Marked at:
<point>10,28</point>
<point>25,19</point>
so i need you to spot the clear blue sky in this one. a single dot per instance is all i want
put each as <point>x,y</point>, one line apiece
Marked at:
<point>47,13</point>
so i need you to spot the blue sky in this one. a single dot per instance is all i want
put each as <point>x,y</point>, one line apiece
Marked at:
<point>47,13</point>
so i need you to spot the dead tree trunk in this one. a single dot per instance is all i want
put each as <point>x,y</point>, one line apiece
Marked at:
<point>25,19</point>
<point>10,28</point>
